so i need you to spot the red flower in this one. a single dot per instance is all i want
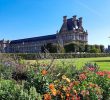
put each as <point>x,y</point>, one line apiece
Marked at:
<point>100,73</point>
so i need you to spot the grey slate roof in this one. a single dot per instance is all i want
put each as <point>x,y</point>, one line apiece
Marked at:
<point>41,38</point>
<point>70,24</point>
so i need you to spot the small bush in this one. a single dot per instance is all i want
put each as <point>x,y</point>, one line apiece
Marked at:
<point>9,90</point>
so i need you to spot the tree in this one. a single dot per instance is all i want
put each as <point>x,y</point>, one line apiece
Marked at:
<point>97,46</point>
<point>69,47</point>
<point>95,49</point>
<point>50,47</point>
<point>81,48</point>
<point>87,48</point>
<point>60,48</point>
<point>76,47</point>
<point>102,48</point>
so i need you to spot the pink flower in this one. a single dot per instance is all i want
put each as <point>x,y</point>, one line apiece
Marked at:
<point>82,77</point>
<point>91,69</point>
<point>100,73</point>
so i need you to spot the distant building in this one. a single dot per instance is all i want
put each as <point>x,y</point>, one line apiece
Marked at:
<point>71,31</point>
<point>108,49</point>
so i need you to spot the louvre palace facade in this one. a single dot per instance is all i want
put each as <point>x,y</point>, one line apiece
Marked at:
<point>72,31</point>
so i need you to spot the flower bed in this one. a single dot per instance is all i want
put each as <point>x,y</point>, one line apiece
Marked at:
<point>48,82</point>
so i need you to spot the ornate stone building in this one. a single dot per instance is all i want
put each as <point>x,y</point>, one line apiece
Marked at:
<point>71,31</point>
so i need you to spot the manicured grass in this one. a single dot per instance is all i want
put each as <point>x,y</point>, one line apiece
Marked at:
<point>103,62</point>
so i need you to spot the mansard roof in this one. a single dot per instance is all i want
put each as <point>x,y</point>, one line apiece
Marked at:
<point>33,39</point>
<point>70,24</point>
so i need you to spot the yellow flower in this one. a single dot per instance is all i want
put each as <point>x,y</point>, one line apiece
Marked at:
<point>56,81</point>
<point>64,88</point>
<point>64,77</point>
<point>62,96</point>
<point>68,80</point>
<point>75,92</point>
<point>54,92</point>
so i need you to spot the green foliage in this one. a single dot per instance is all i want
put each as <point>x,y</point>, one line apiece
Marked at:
<point>9,90</point>
<point>60,48</point>
<point>81,48</point>
<point>37,80</point>
<point>87,48</point>
<point>102,48</point>
<point>95,49</point>
<point>34,56</point>
<point>6,71</point>
<point>70,47</point>
<point>50,47</point>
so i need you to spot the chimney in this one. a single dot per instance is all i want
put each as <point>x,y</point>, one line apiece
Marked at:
<point>80,22</point>
<point>64,19</point>
<point>80,19</point>
<point>74,17</point>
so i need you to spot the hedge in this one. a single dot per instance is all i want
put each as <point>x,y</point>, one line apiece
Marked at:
<point>33,56</point>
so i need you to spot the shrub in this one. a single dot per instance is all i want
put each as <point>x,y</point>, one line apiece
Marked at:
<point>11,91</point>
<point>34,56</point>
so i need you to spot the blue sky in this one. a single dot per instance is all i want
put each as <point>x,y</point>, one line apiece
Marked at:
<point>30,18</point>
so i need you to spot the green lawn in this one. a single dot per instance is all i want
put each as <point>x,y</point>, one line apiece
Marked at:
<point>103,62</point>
